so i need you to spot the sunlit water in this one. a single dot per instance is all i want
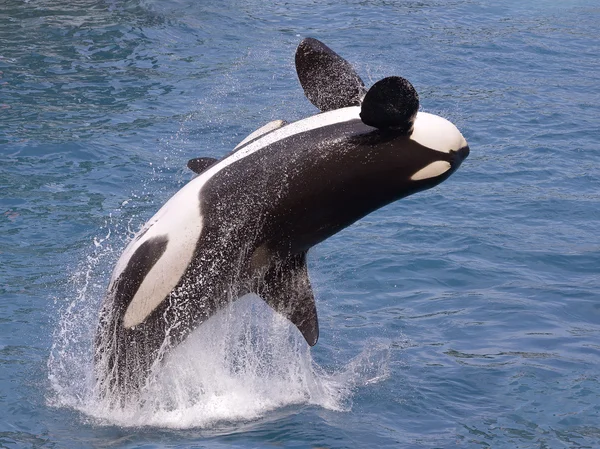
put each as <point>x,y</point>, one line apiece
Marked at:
<point>464,316</point>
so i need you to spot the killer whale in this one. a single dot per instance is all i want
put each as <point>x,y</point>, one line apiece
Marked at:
<point>245,222</point>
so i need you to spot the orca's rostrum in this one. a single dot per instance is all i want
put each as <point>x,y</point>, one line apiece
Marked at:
<point>245,223</point>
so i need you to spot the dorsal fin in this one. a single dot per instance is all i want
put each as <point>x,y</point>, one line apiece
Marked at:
<point>286,288</point>
<point>328,80</point>
<point>200,164</point>
<point>391,103</point>
<point>271,126</point>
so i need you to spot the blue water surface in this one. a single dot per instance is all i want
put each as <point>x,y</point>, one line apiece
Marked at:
<point>465,316</point>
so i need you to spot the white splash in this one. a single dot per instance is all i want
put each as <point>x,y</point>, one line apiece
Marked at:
<point>238,366</point>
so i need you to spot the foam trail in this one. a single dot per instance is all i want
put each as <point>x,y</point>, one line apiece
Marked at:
<point>238,366</point>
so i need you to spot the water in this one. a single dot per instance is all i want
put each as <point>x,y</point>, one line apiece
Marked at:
<point>465,316</point>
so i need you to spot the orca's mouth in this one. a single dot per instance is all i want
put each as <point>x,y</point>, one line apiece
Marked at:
<point>456,157</point>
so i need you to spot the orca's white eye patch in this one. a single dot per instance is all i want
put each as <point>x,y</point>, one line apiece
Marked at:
<point>434,169</point>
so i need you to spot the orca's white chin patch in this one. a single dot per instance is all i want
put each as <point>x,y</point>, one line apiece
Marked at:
<point>433,170</point>
<point>437,133</point>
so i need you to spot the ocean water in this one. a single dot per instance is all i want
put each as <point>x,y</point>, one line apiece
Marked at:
<point>465,316</point>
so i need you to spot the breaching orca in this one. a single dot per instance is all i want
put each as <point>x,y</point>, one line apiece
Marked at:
<point>245,222</point>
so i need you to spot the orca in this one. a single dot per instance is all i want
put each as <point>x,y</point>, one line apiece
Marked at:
<point>244,224</point>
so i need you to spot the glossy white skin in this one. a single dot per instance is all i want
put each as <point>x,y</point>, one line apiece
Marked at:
<point>437,133</point>
<point>431,171</point>
<point>180,219</point>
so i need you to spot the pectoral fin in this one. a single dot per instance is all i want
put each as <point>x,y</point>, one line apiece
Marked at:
<point>271,126</point>
<point>391,103</point>
<point>200,164</point>
<point>286,288</point>
<point>328,80</point>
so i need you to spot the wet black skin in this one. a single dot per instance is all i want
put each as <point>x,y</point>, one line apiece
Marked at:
<point>261,215</point>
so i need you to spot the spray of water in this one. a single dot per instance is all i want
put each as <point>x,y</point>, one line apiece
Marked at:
<point>239,365</point>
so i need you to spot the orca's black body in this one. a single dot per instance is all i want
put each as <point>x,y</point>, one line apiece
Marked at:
<point>245,223</point>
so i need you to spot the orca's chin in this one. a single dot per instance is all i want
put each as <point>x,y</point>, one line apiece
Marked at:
<point>464,152</point>
<point>458,156</point>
